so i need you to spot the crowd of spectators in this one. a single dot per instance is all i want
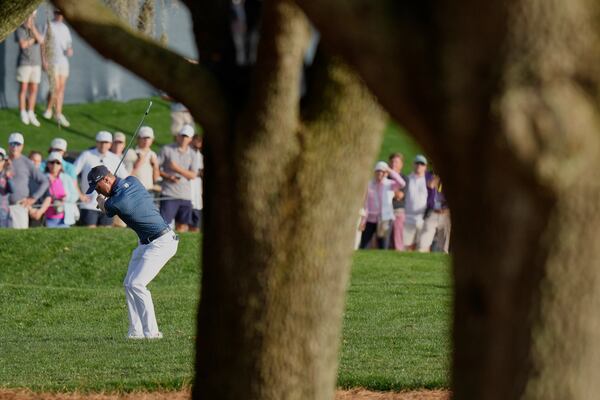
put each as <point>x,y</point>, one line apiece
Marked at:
<point>51,192</point>
<point>404,213</point>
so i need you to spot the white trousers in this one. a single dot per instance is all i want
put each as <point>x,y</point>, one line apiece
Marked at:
<point>146,262</point>
<point>19,217</point>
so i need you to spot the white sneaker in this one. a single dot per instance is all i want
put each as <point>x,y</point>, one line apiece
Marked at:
<point>157,335</point>
<point>132,336</point>
<point>47,114</point>
<point>62,120</point>
<point>24,117</point>
<point>33,119</point>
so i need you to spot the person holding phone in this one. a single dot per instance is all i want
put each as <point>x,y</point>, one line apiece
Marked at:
<point>179,165</point>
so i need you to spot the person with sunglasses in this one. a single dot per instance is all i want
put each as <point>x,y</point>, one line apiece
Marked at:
<point>59,206</point>
<point>24,176</point>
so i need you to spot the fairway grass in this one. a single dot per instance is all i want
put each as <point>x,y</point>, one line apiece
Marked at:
<point>63,318</point>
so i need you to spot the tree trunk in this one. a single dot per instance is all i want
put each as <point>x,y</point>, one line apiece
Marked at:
<point>14,13</point>
<point>281,224</point>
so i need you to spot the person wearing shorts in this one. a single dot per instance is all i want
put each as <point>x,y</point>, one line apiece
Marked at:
<point>58,67</point>
<point>179,165</point>
<point>29,68</point>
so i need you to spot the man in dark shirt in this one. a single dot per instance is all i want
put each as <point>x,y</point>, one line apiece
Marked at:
<point>128,199</point>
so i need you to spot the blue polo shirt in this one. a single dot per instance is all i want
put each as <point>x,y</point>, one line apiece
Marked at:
<point>130,200</point>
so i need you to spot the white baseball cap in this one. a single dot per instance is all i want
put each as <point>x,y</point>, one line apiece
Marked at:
<point>120,137</point>
<point>420,158</point>
<point>55,156</point>
<point>187,130</point>
<point>3,153</point>
<point>146,132</point>
<point>59,143</point>
<point>16,137</point>
<point>104,136</point>
<point>381,166</point>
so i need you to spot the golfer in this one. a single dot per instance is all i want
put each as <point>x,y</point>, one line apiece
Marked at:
<point>128,199</point>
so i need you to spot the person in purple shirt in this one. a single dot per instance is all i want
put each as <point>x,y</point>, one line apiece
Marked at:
<point>130,200</point>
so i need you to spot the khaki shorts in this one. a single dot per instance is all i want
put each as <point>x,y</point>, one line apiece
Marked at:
<point>29,73</point>
<point>61,69</point>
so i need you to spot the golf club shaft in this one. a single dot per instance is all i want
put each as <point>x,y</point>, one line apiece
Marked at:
<point>133,138</point>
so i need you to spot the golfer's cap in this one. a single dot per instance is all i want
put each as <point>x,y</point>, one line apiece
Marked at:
<point>187,130</point>
<point>146,132</point>
<point>59,143</point>
<point>2,153</point>
<point>16,137</point>
<point>94,176</point>
<point>104,136</point>
<point>381,166</point>
<point>420,158</point>
<point>120,137</point>
<point>55,156</point>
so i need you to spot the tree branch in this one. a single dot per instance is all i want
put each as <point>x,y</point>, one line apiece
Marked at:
<point>192,84</point>
<point>387,42</point>
<point>13,14</point>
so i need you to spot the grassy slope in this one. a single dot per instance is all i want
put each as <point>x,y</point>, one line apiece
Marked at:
<point>63,316</point>
<point>87,119</point>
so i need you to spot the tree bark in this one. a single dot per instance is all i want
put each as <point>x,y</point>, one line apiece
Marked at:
<point>511,121</point>
<point>14,13</point>
<point>275,313</point>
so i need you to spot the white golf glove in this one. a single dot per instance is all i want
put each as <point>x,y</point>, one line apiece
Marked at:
<point>101,200</point>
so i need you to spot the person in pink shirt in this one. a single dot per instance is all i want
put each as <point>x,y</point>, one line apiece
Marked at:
<point>60,197</point>
<point>378,205</point>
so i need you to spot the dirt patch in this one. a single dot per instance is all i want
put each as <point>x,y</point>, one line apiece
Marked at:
<point>354,394</point>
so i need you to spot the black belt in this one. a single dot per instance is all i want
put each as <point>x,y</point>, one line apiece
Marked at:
<point>152,238</point>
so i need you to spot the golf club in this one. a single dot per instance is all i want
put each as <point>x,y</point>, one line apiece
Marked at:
<point>133,138</point>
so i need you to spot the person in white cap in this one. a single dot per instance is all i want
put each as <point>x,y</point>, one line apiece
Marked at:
<point>118,146</point>
<point>101,155</point>
<point>24,176</point>
<point>4,189</point>
<point>59,145</point>
<point>59,203</point>
<point>417,193</point>
<point>378,205</point>
<point>145,166</point>
<point>179,165</point>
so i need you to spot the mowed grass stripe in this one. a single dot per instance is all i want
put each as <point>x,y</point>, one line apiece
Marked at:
<point>64,317</point>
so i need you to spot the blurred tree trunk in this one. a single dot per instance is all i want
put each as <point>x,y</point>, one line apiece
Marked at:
<point>505,98</point>
<point>285,176</point>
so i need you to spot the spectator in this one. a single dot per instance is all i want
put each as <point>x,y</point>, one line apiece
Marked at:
<point>24,176</point>
<point>59,38</point>
<point>378,205</point>
<point>196,186</point>
<point>4,190</point>
<point>416,202</point>
<point>59,145</point>
<point>58,206</point>
<point>179,166</point>
<point>36,158</point>
<point>436,227</point>
<point>396,161</point>
<point>29,68</point>
<point>90,215</point>
<point>145,167</point>
<point>118,146</point>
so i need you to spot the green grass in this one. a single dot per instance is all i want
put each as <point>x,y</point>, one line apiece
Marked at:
<point>87,119</point>
<point>63,317</point>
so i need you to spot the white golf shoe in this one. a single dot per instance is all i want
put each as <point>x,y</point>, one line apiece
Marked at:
<point>60,118</point>
<point>33,119</point>
<point>132,336</point>
<point>47,114</point>
<point>24,117</point>
<point>155,336</point>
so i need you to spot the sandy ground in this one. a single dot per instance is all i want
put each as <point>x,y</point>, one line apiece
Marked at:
<point>354,394</point>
